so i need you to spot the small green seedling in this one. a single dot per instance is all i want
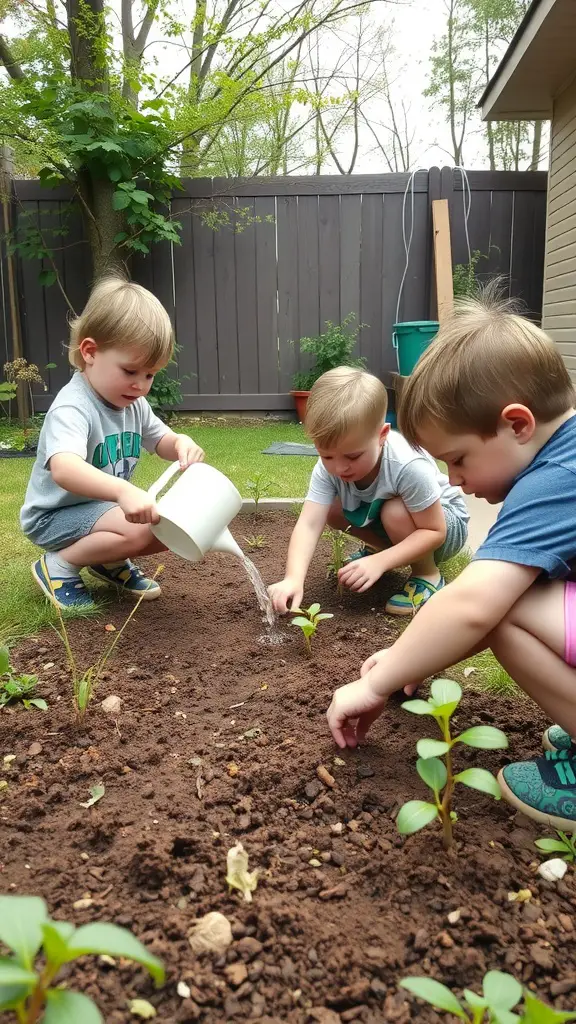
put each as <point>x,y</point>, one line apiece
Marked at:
<point>27,990</point>
<point>308,619</point>
<point>338,540</point>
<point>260,487</point>
<point>17,687</point>
<point>500,993</point>
<point>438,775</point>
<point>256,540</point>
<point>84,685</point>
<point>565,846</point>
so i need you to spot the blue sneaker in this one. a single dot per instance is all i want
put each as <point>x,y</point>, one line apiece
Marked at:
<point>544,788</point>
<point>129,579</point>
<point>363,552</point>
<point>64,593</point>
<point>416,592</point>
<point>556,738</point>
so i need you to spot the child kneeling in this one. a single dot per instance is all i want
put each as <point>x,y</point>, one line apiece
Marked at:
<point>80,505</point>
<point>370,482</point>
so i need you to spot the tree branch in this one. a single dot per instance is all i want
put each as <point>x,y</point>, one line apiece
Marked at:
<point>10,63</point>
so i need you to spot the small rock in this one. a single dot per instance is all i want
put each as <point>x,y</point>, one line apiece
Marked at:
<point>421,940</point>
<point>236,974</point>
<point>232,1007</point>
<point>542,956</point>
<point>531,912</point>
<point>353,1013</point>
<point>183,990</point>
<point>148,792</point>
<point>34,749</point>
<point>446,940</point>
<point>378,988</point>
<point>353,825</point>
<point>112,706</point>
<point>312,789</point>
<point>248,947</point>
<point>325,776</point>
<point>322,1015</point>
<point>337,829</point>
<point>566,922</point>
<point>337,892</point>
<point>564,985</point>
<point>454,917</point>
<point>211,934</point>
<point>364,771</point>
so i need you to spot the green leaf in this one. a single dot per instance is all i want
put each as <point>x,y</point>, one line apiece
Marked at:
<point>313,609</point>
<point>414,815</point>
<point>63,1007</point>
<point>486,737</point>
<point>51,366</point>
<point>120,237</point>
<point>96,794</point>
<point>505,1017</point>
<point>120,200</point>
<point>13,995</point>
<point>445,691</point>
<point>432,748</point>
<point>501,991</point>
<point>417,707</point>
<point>141,197</point>
<point>21,920</point>
<point>536,1012</point>
<point>480,778</point>
<point>434,993</point>
<point>300,621</point>
<point>551,845</point>
<point>476,1002</point>
<point>47,277</point>
<point>323,615</point>
<point>444,710</point>
<point>56,935</point>
<point>4,660</point>
<point>36,702</point>
<point>100,938</point>
<point>432,771</point>
<point>11,973</point>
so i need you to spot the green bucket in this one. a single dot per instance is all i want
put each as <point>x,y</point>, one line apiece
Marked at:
<point>411,340</point>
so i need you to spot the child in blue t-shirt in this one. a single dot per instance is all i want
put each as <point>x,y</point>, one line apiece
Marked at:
<point>493,399</point>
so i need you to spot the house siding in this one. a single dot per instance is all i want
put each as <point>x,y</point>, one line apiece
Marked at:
<point>559,305</point>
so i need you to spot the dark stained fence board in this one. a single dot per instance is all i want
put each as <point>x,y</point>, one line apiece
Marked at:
<point>287,226</point>
<point>371,280</point>
<point>308,273</point>
<point>246,301</point>
<point>500,240</point>
<point>185,300</point>
<point>266,286</point>
<point>522,243</point>
<point>329,258</point>
<point>203,241</point>
<point>226,337</point>
<point>56,309</point>
<point>350,257</point>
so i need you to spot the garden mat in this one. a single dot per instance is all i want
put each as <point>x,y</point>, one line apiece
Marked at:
<point>323,942</point>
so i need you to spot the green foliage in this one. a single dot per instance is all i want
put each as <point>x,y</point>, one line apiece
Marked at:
<point>464,277</point>
<point>308,619</point>
<point>445,696</point>
<point>14,686</point>
<point>565,845</point>
<point>500,994</point>
<point>330,349</point>
<point>27,931</point>
<point>255,541</point>
<point>260,487</point>
<point>338,539</point>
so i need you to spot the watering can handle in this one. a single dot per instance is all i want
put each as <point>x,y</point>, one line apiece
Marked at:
<point>161,482</point>
<point>394,339</point>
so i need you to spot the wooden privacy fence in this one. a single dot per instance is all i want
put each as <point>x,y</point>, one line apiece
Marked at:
<point>297,251</point>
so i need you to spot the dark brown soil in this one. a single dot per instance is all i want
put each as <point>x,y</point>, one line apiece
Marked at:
<point>321,943</point>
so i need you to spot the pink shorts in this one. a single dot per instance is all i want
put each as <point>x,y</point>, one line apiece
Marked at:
<point>570,624</point>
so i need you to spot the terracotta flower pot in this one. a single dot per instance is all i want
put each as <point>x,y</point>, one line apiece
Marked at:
<point>300,401</point>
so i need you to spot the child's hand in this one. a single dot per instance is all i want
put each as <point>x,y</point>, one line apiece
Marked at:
<point>353,709</point>
<point>362,573</point>
<point>137,505</point>
<point>286,591</point>
<point>187,451</point>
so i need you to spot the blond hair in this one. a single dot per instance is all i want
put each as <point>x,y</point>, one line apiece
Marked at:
<point>343,400</point>
<point>120,314</point>
<point>485,357</point>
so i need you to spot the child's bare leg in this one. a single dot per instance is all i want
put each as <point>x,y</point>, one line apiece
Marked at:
<point>529,644</point>
<point>399,524</point>
<point>112,539</point>
<point>337,520</point>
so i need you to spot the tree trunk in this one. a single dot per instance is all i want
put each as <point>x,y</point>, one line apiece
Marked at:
<point>102,223</point>
<point>536,146</point>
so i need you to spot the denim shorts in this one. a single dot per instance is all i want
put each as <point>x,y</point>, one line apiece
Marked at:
<point>455,540</point>
<point>62,527</point>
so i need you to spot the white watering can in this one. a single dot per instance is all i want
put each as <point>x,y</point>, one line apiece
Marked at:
<point>196,511</point>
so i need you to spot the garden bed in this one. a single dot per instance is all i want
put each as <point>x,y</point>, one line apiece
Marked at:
<point>321,943</point>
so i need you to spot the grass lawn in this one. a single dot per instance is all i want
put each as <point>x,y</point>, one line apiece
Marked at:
<point>236,450</point>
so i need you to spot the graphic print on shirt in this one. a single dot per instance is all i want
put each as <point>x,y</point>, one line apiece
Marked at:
<point>365,514</point>
<point>120,452</point>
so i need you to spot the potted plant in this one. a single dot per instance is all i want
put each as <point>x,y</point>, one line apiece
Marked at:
<point>331,348</point>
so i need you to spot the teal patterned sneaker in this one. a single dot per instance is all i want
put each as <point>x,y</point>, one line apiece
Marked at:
<point>416,592</point>
<point>129,579</point>
<point>363,552</point>
<point>64,593</point>
<point>544,789</point>
<point>556,738</point>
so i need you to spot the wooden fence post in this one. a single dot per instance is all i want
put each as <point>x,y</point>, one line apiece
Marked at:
<point>442,258</point>
<point>6,197</point>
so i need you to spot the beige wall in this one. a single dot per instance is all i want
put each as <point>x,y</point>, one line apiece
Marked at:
<point>559,311</point>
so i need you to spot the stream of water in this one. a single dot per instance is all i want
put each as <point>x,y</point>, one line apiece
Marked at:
<point>273,635</point>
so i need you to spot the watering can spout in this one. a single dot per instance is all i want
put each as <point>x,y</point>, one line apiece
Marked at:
<point>226,543</point>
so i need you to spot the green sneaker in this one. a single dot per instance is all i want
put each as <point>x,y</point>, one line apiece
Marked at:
<point>556,738</point>
<point>363,552</point>
<point>544,788</point>
<point>416,592</point>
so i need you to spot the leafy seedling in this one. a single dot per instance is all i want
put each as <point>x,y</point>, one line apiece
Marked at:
<point>260,487</point>
<point>256,540</point>
<point>308,620</point>
<point>500,994</point>
<point>338,540</point>
<point>438,774</point>
<point>84,685</point>
<point>565,845</point>
<point>17,687</point>
<point>96,794</point>
<point>29,933</point>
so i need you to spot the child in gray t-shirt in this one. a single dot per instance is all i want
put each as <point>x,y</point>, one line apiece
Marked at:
<point>80,505</point>
<point>371,482</point>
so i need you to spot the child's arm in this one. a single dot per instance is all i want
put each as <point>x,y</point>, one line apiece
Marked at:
<point>303,541</point>
<point>443,632</point>
<point>430,534</point>
<point>179,448</point>
<point>74,474</point>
